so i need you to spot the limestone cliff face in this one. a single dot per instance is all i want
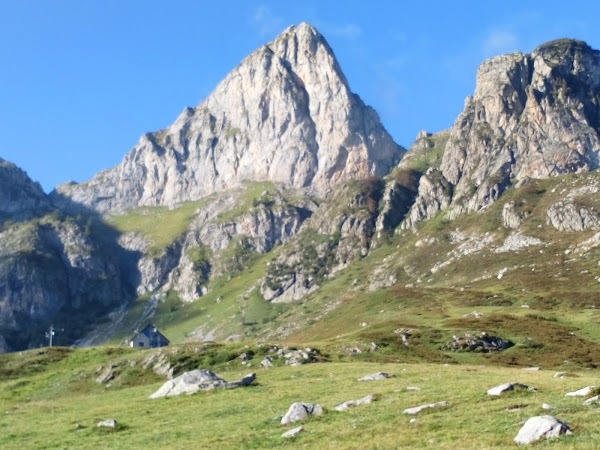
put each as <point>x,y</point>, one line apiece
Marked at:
<point>532,116</point>
<point>285,114</point>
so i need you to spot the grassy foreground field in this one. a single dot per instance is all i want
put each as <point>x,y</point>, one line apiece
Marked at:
<point>52,401</point>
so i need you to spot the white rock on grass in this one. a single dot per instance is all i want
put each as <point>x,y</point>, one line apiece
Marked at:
<point>108,423</point>
<point>583,392</point>
<point>376,376</point>
<point>592,400</point>
<point>540,427</point>
<point>293,432</point>
<point>418,409</point>
<point>501,389</point>
<point>300,411</point>
<point>198,380</point>
<point>352,403</point>
<point>547,406</point>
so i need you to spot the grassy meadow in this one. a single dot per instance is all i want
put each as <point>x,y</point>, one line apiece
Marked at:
<point>54,402</point>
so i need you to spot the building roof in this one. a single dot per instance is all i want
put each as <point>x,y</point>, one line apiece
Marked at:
<point>150,331</point>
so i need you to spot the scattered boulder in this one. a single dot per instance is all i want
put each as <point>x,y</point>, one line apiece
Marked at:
<point>501,389</point>
<point>293,432</point>
<point>198,380</point>
<point>108,423</point>
<point>540,427</point>
<point>532,369</point>
<point>592,400</point>
<point>483,343</point>
<point>352,403</point>
<point>417,409</point>
<point>474,315</point>
<point>583,392</point>
<point>547,406</point>
<point>300,411</point>
<point>295,357</point>
<point>376,376</point>
<point>405,334</point>
<point>267,362</point>
<point>413,388</point>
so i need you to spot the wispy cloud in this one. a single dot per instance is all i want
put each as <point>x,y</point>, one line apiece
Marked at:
<point>266,22</point>
<point>499,41</point>
<point>347,31</point>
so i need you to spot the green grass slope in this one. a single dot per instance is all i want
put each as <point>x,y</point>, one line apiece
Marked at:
<point>55,403</point>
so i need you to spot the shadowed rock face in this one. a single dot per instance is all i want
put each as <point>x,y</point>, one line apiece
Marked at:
<point>285,114</point>
<point>20,197</point>
<point>54,268</point>
<point>532,116</point>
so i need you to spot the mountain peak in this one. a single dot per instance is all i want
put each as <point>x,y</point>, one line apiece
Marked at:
<point>285,114</point>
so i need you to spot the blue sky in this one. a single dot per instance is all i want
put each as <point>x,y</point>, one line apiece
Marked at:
<point>81,80</point>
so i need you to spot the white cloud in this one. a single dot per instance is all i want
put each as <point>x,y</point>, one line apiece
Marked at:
<point>266,22</point>
<point>498,42</point>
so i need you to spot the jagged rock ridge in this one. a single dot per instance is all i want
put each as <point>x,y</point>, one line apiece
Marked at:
<point>532,116</point>
<point>285,114</point>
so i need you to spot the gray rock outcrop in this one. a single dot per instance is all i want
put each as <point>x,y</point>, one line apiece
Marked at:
<point>285,114</point>
<point>300,411</point>
<point>541,427</point>
<point>198,380</point>
<point>532,116</point>
<point>567,216</point>
<point>483,343</point>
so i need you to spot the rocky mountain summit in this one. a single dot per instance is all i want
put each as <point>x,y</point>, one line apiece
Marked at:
<point>532,116</point>
<point>20,197</point>
<point>285,114</point>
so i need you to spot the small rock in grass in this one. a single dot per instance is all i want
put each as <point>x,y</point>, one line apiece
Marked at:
<point>592,400</point>
<point>418,409</point>
<point>300,411</point>
<point>352,403</point>
<point>540,427</point>
<point>583,392</point>
<point>413,388</point>
<point>532,369</point>
<point>547,406</point>
<point>376,376</point>
<point>293,432</point>
<point>108,423</point>
<point>501,389</point>
<point>413,420</point>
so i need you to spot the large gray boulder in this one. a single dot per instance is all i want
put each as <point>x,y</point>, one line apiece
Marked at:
<point>300,411</point>
<point>198,380</point>
<point>540,427</point>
